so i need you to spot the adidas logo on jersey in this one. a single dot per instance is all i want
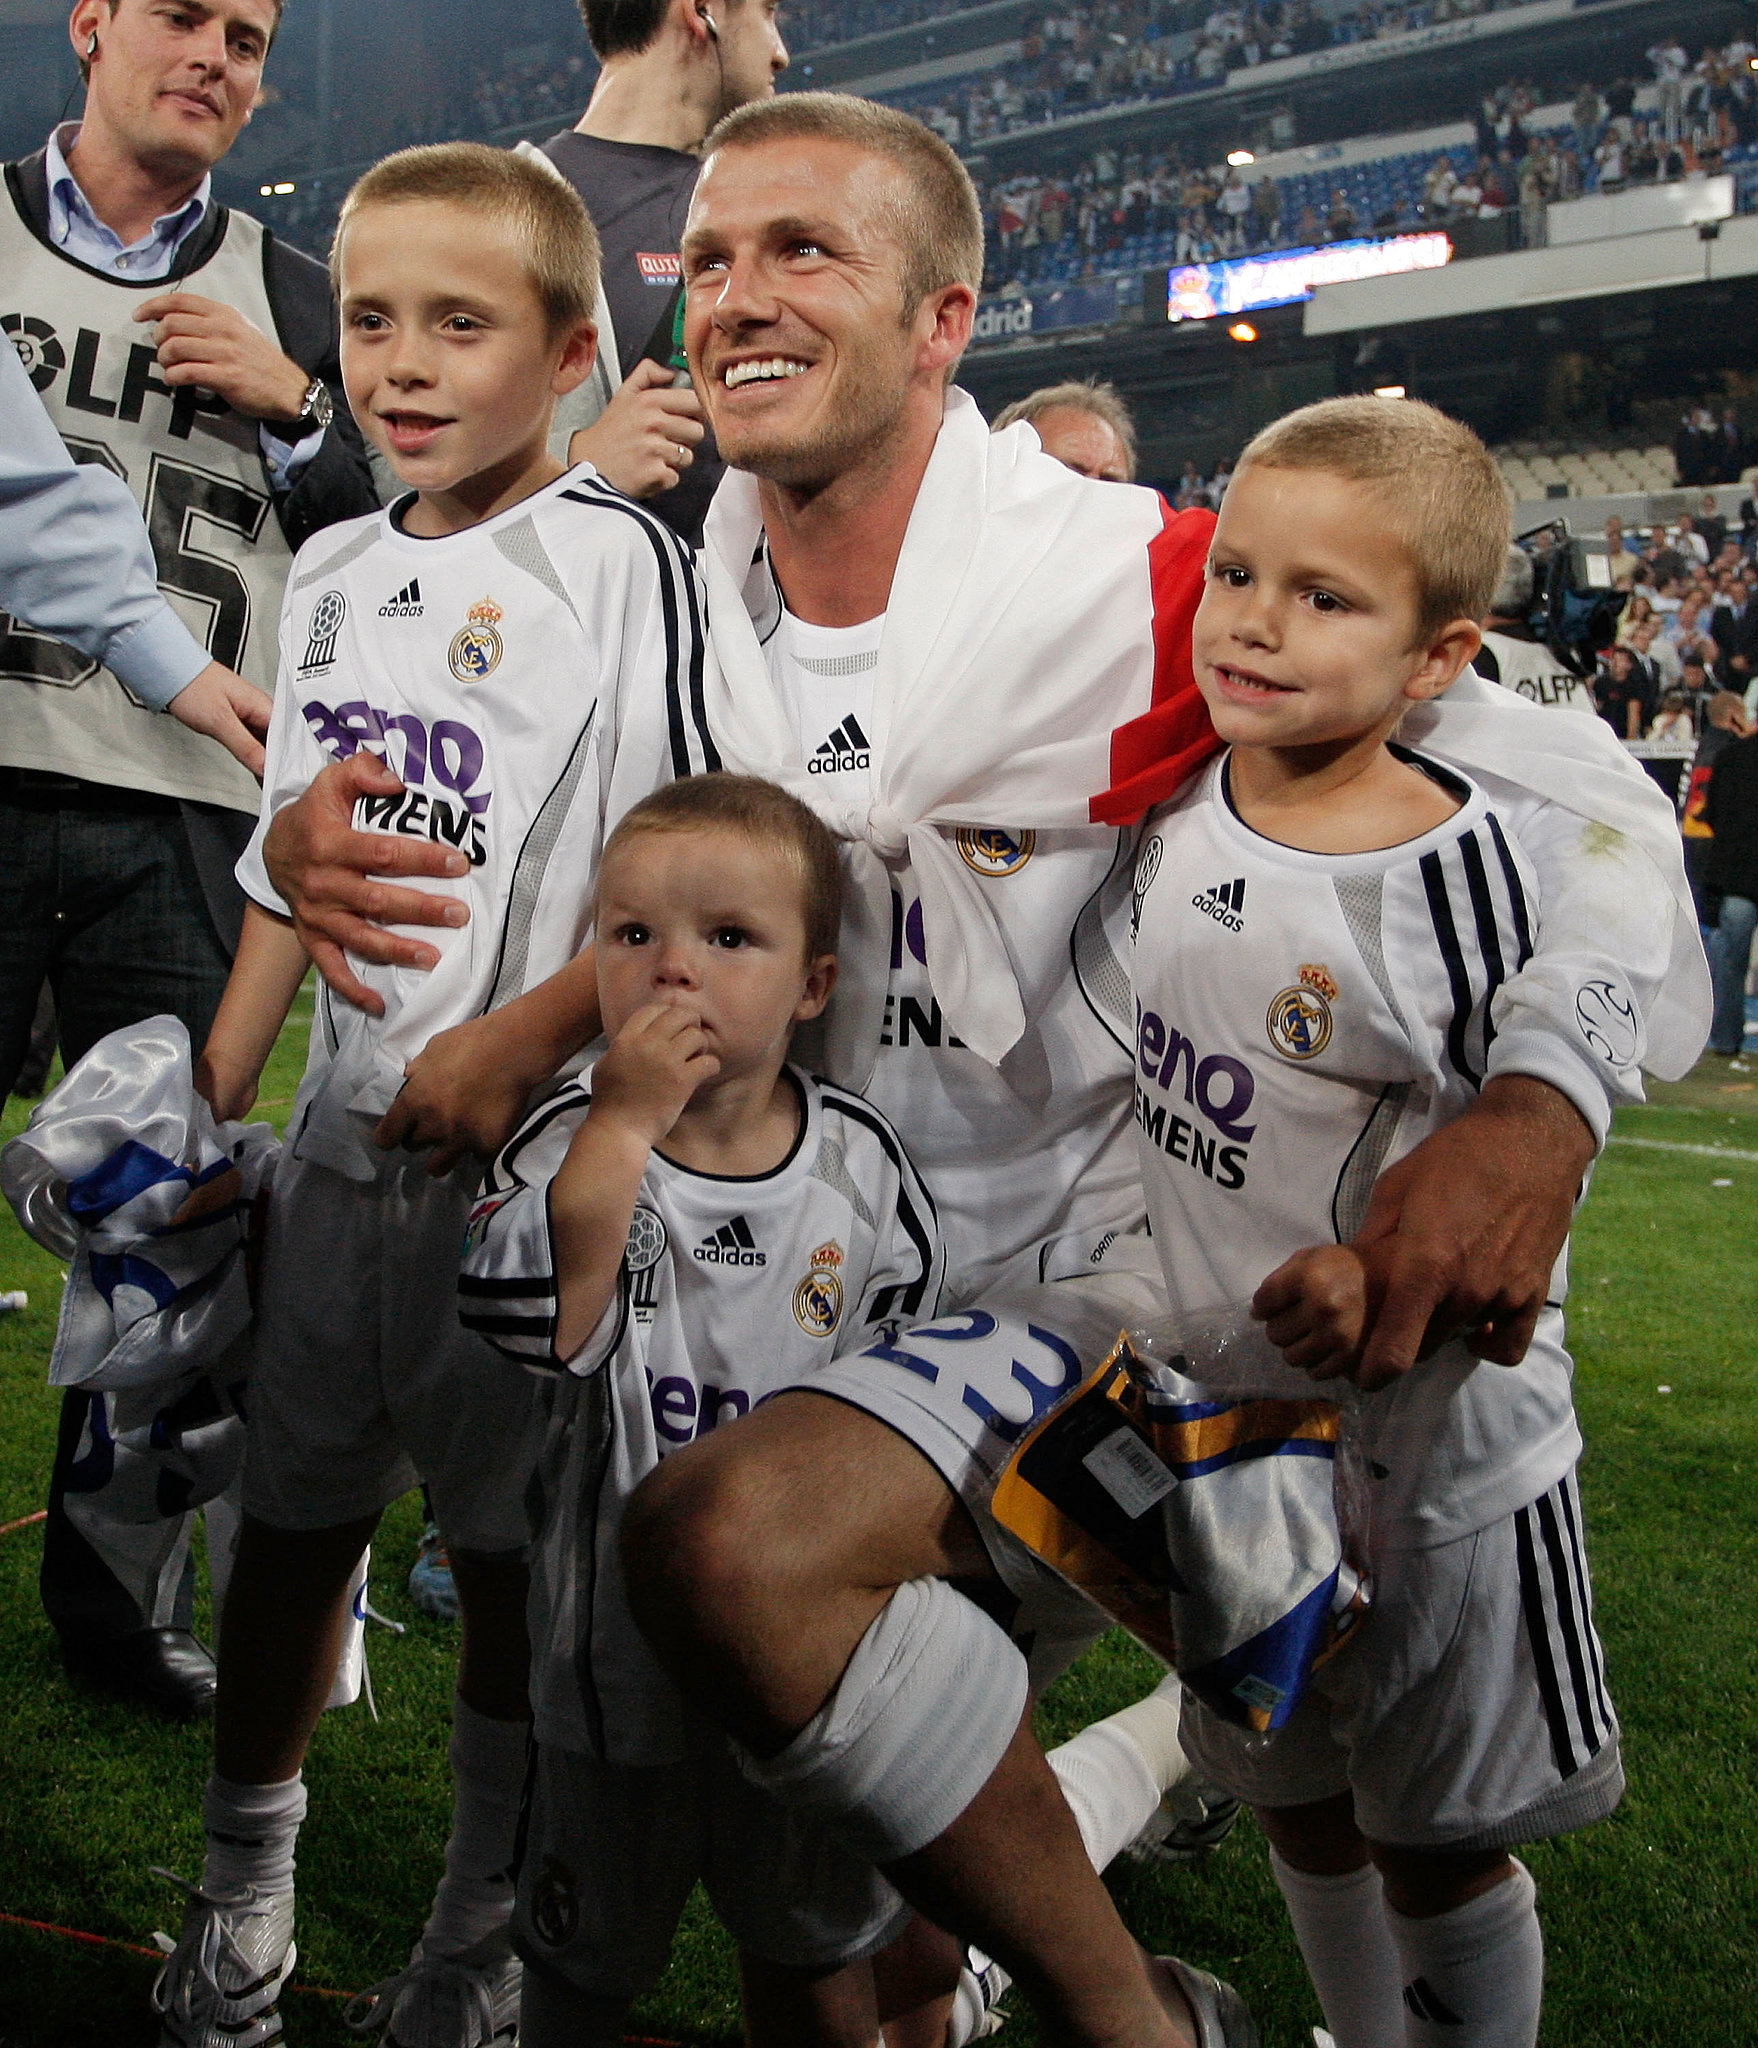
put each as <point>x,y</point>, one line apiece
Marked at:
<point>731,1245</point>
<point>847,747</point>
<point>1225,903</point>
<point>406,604</point>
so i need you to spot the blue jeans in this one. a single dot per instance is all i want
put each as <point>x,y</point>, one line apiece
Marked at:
<point>1733,948</point>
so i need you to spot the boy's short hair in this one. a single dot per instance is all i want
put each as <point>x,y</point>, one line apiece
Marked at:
<point>765,813</point>
<point>939,228</point>
<point>1437,479</point>
<point>562,255</point>
<point>1091,395</point>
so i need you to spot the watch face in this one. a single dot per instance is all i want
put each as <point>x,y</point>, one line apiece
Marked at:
<point>320,407</point>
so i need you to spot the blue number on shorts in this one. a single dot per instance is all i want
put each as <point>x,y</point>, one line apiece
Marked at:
<point>978,1325</point>
<point>1044,1394</point>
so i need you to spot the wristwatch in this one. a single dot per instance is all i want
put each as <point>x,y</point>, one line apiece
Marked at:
<point>316,410</point>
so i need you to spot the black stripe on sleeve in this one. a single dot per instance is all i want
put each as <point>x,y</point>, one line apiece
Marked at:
<point>1489,938</point>
<point>1440,910</point>
<point>682,617</point>
<point>1516,893</point>
<point>907,1299</point>
<point>529,1287</point>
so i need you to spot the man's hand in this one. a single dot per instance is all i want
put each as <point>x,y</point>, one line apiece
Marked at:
<point>655,1064</point>
<point>463,1093</point>
<point>200,341</point>
<point>1461,1236</point>
<point>643,441</point>
<point>227,709</point>
<point>324,872</point>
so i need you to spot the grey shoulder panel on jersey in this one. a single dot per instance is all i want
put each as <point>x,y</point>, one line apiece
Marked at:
<point>1103,978</point>
<point>831,1167</point>
<point>1361,899</point>
<point>334,564</point>
<point>523,547</point>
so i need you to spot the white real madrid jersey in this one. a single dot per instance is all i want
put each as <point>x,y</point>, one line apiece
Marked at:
<point>528,679</point>
<point>196,470</point>
<point>731,1290</point>
<point>1302,1021</point>
<point>1032,1162</point>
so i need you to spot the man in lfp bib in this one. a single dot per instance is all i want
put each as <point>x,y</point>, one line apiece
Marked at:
<point>181,346</point>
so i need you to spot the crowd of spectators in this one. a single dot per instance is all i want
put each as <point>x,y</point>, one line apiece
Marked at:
<point>1689,630</point>
<point>1114,196</point>
<point>1076,58</point>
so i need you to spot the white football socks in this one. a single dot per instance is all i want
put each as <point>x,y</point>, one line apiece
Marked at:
<point>1341,1924</point>
<point>1114,1773</point>
<point>475,1896</point>
<point>1474,1977</point>
<point>251,1832</point>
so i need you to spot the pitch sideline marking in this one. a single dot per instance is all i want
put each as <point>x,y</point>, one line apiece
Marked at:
<point>1672,1145</point>
<point>24,1522</point>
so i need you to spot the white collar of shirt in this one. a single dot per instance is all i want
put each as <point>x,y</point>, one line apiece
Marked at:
<point>76,231</point>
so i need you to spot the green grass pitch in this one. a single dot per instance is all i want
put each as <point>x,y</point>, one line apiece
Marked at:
<point>1649,1919</point>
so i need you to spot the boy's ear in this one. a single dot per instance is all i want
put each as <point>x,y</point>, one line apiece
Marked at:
<point>1446,655</point>
<point>579,353</point>
<point>820,980</point>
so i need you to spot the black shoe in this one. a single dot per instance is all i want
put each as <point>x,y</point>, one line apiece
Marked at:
<point>166,1669</point>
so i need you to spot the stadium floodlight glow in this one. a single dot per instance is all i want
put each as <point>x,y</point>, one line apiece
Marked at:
<point>1388,391</point>
<point>1243,330</point>
<point>1239,158</point>
<point>284,188</point>
<point>1244,284</point>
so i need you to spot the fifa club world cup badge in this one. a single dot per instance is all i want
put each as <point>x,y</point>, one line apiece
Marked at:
<point>476,648</point>
<point>1299,1022</point>
<point>988,851</point>
<point>818,1297</point>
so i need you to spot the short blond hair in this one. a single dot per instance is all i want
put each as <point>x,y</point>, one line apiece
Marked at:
<point>1437,479</point>
<point>940,228</point>
<point>1088,394</point>
<point>562,256</point>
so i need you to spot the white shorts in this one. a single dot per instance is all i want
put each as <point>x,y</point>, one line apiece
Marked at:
<point>610,1854</point>
<point>363,1382</point>
<point>1469,1710</point>
<point>965,1388</point>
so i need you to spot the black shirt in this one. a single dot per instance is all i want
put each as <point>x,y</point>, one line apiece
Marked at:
<point>638,195</point>
<point>1731,812</point>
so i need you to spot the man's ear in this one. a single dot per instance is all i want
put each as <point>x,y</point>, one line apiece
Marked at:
<point>820,980</point>
<point>943,320</point>
<point>1447,653</point>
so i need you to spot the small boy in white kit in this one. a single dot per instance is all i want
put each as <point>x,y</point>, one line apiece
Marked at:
<point>519,643</point>
<point>694,1225</point>
<point>1289,1051</point>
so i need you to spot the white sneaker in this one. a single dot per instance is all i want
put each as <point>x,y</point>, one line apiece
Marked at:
<point>1189,1821</point>
<point>1222,2020</point>
<point>976,2004</point>
<point>223,1974</point>
<point>463,2001</point>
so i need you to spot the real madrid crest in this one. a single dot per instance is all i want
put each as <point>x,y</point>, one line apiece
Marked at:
<point>1300,1019</point>
<point>476,648</point>
<point>818,1297</point>
<point>994,853</point>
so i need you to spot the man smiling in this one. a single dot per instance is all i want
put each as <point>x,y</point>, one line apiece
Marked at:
<point>180,346</point>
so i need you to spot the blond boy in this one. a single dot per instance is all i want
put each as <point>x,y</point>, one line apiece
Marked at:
<point>1288,1054</point>
<point>518,644</point>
